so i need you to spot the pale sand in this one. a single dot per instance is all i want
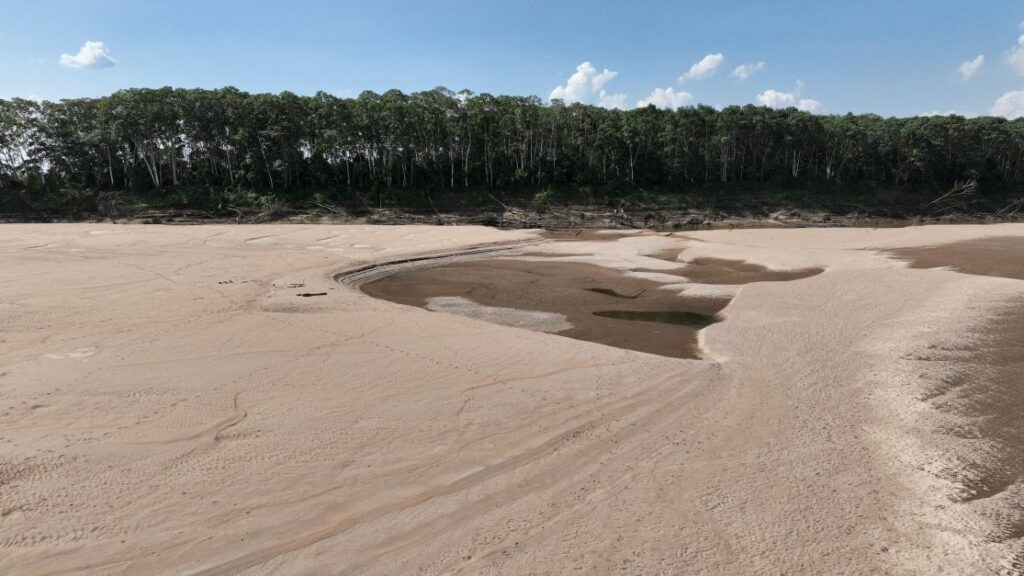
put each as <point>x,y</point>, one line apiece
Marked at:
<point>526,319</point>
<point>168,404</point>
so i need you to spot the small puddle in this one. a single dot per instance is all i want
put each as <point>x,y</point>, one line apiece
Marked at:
<point>592,300</point>
<point>576,300</point>
<point>689,319</point>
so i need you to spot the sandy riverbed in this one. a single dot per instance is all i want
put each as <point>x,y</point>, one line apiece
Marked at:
<point>169,403</point>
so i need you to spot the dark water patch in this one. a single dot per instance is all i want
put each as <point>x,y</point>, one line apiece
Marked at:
<point>644,316</point>
<point>614,294</point>
<point>997,256</point>
<point>720,271</point>
<point>565,288</point>
<point>690,319</point>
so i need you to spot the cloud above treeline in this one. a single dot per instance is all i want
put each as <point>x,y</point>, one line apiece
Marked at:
<point>704,68</point>
<point>666,98</point>
<point>776,99</point>
<point>91,55</point>
<point>744,71</point>
<point>1016,56</point>
<point>1009,105</point>
<point>589,85</point>
<point>586,85</point>
<point>970,68</point>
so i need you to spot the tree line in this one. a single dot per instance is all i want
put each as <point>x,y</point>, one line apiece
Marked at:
<point>156,141</point>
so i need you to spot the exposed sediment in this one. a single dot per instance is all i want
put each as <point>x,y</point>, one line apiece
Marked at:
<point>599,304</point>
<point>169,403</point>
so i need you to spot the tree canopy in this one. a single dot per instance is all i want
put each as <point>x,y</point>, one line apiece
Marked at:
<point>155,141</point>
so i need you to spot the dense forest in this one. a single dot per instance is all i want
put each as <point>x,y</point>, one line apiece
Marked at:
<point>211,147</point>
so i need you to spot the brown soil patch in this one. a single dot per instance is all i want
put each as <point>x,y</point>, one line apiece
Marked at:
<point>719,271</point>
<point>564,288</point>
<point>997,256</point>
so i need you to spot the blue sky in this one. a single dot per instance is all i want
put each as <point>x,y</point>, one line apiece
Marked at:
<point>888,57</point>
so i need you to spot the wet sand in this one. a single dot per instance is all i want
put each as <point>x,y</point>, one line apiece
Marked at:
<point>994,407</point>
<point>603,305</point>
<point>987,391</point>
<point>732,272</point>
<point>170,403</point>
<point>576,291</point>
<point>997,256</point>
<point>987,386</point>
<point>982,392</point>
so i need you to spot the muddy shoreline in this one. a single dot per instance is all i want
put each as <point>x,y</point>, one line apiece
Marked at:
<point>560,218</point>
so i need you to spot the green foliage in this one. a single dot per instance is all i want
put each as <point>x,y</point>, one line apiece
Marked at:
<point>220,148</point>
<point>545,195</point>
<point>111,203</point>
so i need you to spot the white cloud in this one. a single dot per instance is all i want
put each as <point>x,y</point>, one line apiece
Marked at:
<point>586,84</point>
<point>1009,105</point>
<point>666,98</point>
<point>606,100</point>
<point>776,99</point>
<point>91,55</point>
<point>809,105</point>
<point>1016,56</point>
<point>744,71</point>
<point>706,67</point>
<point>970,68</point>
